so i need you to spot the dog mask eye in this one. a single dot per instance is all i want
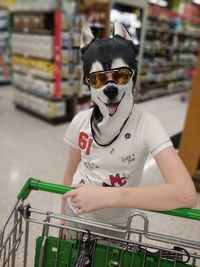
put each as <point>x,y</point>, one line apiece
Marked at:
<point>123,76</point>
<point>116,75</point>
<point>97,80</point>
<point>119,76</point>
<point>101,77</point>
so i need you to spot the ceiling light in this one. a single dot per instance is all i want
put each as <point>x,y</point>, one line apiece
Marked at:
<point>153,2</point>
<point>196,2</point>
<point>162,3</point>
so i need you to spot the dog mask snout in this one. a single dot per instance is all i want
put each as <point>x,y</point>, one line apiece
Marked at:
<point>111,92</point>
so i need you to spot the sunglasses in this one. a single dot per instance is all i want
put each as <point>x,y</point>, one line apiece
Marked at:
<point>119,76</point>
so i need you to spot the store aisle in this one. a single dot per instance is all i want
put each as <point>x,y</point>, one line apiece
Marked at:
<point>30,147</point>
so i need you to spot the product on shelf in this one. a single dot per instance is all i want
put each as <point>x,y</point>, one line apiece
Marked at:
<point>170,53</point>
<point>46,56</point>
<point>33,85</point>
<point>70,87</point>
<point>45,108</point>
<point>4,47</point>
<point>32,45</point>
<point>34,5</point>
<point>35,67</point>
<point>32,22</point>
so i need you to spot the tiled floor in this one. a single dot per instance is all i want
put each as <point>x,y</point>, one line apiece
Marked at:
<point>30,147</point>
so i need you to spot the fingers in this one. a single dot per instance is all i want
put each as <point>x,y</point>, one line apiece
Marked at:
<point>76,205</point>
<point>79,185</point>
<point>63,231</point>
<point>64,234</point>
<point>79,211</point>
<point>77,199</point>
<point>75,202</point>
<point>71,194</point>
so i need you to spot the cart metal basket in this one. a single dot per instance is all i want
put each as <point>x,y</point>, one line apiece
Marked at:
<point>137,247</point>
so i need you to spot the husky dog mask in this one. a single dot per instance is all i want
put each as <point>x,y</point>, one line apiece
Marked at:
<point>113,103</point>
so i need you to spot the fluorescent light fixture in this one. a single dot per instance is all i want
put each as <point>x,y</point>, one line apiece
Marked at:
<point>196,2</point>
<point>162,3</point>
<point>153,2</point>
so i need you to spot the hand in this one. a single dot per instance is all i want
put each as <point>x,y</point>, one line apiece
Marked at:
<point>63,231</point>
<point>87,198</point>
<point>64,234</point>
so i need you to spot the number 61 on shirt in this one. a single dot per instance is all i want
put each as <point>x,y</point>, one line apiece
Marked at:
<point>85,142</point>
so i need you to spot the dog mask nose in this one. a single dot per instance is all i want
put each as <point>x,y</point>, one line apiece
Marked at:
<point>111,92</point>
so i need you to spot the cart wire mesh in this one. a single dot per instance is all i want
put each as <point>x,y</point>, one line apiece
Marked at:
<point>86,243</point>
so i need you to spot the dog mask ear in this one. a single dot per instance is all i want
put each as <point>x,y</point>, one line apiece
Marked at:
<point>86,36</point>
<point>121,31</point>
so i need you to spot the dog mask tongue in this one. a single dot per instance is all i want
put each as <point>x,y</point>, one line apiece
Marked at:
<point>112,108</point>
<point>109,115</point>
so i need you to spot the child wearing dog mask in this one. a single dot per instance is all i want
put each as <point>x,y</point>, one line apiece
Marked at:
<point>110,142</point>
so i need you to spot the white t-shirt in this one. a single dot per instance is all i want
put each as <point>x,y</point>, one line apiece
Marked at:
<point>119,164</point>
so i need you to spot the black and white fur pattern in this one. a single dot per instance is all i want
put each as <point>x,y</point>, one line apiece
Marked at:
<point>113,103</point>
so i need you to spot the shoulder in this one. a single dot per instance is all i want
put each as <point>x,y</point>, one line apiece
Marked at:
<point>80,121</point>
<point>146,123</point>
<point>82,116</point>
<point>141,112</point>
<point>84,113</point>
<point>142,116</point>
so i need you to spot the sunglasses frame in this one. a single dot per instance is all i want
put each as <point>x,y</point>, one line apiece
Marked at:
<point>106,71</point>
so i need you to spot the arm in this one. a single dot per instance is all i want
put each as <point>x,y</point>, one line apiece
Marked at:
<point>178,190</point>
<point>74,158</point>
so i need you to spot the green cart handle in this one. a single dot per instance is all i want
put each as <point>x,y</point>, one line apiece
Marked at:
<point>34,184</point>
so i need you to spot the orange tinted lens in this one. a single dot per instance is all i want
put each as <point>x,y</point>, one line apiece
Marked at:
<point>97,80</point>
<point>92,80</point>
<point>121,76</point>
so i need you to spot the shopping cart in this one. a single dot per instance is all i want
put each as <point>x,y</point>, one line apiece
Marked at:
<point>137,247</point>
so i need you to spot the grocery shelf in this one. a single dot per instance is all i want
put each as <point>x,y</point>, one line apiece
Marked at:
<point>47,109</point>
<point>4,81</point>
<point>39,73</point>
<point>27,10</point>
<point>153,94</point>
<point>36,114</point>
<point>29,31</point>
<point>68,111</point>
<point>4,45</point>
<point>171,31</point>
<point>33,73</point>
<point>170,53</point>
<point>32,57</point>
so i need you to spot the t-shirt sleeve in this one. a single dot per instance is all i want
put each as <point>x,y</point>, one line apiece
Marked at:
<point>155,137</point>
<point>71,134</point>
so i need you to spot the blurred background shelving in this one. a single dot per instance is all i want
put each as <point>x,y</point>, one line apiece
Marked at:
<point>4,47</point>
<point>46,59</point>
<point>170,52</point>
